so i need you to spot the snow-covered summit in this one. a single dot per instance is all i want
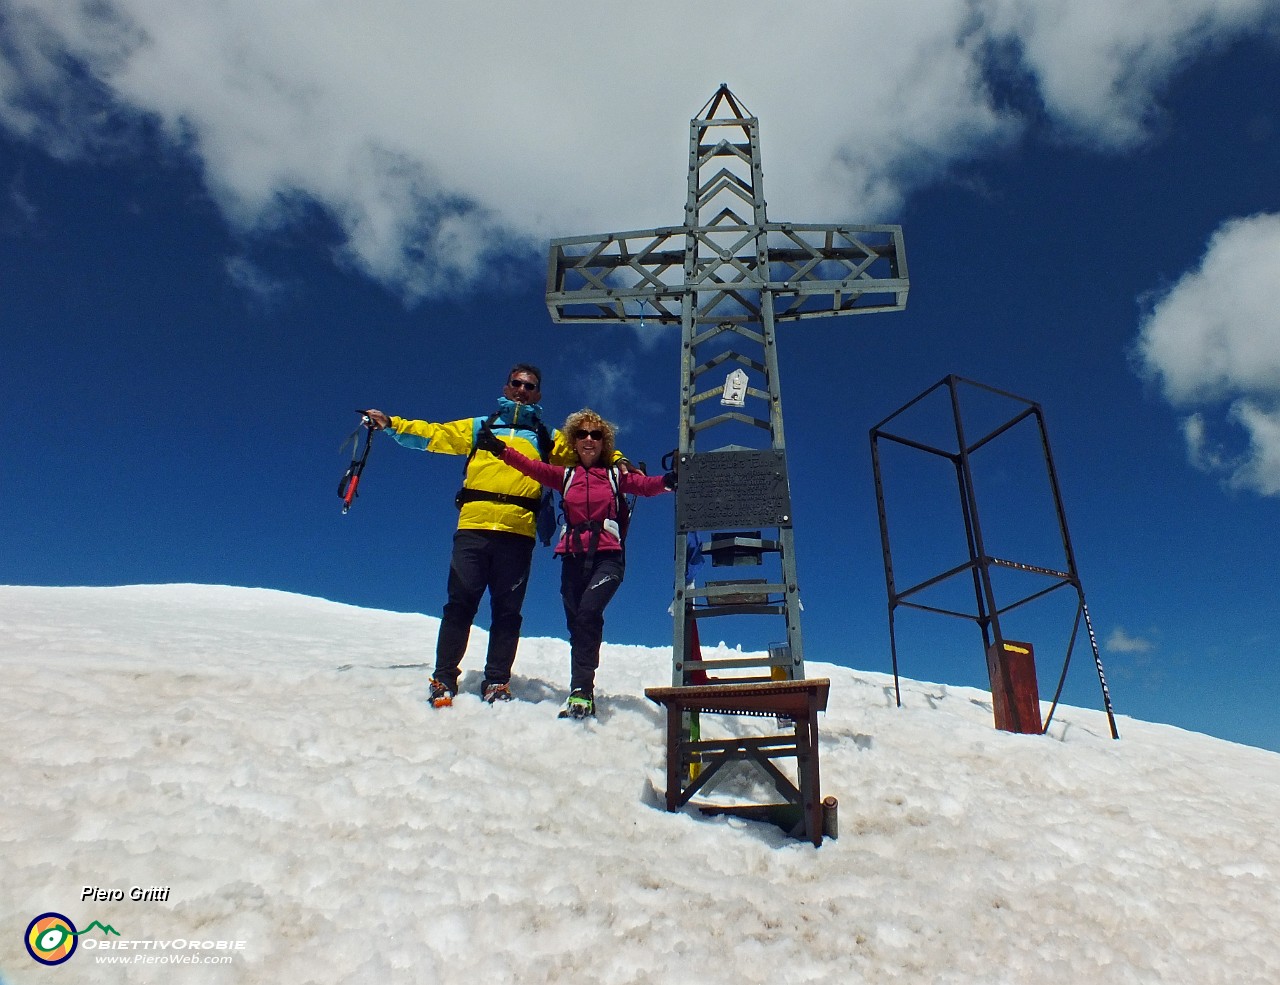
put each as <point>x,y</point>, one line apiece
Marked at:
<point>269,760</point>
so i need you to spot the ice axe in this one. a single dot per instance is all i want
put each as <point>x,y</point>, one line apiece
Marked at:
<point>351,478</point>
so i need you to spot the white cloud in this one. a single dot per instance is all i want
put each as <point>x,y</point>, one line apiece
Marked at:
<point>1213,340</point>
<point>612,383</point>
<point>446,137</point>
<point>1121,642</point>
<point>1204,454</point>
<point>18,211</point>
<point>1097,63</point>
<point>1216,332</point>
<point>250,277</point>
<point>1260,471</point>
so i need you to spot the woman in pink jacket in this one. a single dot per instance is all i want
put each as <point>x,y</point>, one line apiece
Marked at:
<point>590,546</point>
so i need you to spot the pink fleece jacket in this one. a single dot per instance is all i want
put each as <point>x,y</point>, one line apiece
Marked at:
<point>589,497</point>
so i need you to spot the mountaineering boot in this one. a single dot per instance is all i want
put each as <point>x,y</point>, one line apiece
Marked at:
<point>440,695</point>
<point>497,692</point>
<point>579,705</point>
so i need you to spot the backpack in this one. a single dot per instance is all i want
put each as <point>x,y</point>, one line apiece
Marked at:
<point>623,507</point>
<point>542,507</point>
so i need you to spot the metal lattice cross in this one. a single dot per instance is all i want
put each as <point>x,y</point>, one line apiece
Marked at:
<point>727,276</point>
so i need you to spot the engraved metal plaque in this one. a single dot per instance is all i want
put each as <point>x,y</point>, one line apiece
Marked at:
<point>723,489</point>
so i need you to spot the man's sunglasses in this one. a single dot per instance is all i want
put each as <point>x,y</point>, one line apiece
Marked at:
<point>527,384</point>
<point>579,434</point>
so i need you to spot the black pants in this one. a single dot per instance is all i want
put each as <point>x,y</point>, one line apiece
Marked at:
<point>482,560</point>
<point>586,586</point>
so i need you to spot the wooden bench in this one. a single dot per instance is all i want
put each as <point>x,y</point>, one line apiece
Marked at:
<point>795,701</point>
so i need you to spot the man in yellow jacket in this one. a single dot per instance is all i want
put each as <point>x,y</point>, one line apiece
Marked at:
<point>497,523</point>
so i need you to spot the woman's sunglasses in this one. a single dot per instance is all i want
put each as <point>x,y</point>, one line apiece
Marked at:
<point>579,434</point>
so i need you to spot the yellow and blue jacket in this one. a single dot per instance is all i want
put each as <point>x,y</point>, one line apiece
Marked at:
<point>516,424</point>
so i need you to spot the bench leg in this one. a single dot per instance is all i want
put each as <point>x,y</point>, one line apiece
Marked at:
<point>674,757</point>
<point>810,775</point>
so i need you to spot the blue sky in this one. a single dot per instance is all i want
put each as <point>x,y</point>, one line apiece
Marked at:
<point>221,232</point>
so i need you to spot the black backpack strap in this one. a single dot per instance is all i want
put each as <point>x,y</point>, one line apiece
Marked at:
<point>487,423</point>
<point>530,503</point>
<point>545,441</point>
<point>573,534</point>
<point>622,510</point>
<point>465,495</point>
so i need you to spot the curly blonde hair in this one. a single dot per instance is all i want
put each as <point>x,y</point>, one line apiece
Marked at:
<point>588,420</point>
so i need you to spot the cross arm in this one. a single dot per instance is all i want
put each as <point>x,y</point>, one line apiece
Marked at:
<point>811,270</point>
<point>617,277</point>
<point>834,269</point>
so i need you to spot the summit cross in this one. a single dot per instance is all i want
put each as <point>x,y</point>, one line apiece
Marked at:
<point>727,276</point>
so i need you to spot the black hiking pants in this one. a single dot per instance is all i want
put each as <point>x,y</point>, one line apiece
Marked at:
<point>586,586</point>
<point>498,562</point>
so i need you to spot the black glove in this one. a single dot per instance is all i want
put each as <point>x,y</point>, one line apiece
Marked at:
<point>669,480</point>
<point>486,440</point>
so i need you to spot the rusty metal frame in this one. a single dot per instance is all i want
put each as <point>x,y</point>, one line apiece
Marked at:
<point>988,609</point>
